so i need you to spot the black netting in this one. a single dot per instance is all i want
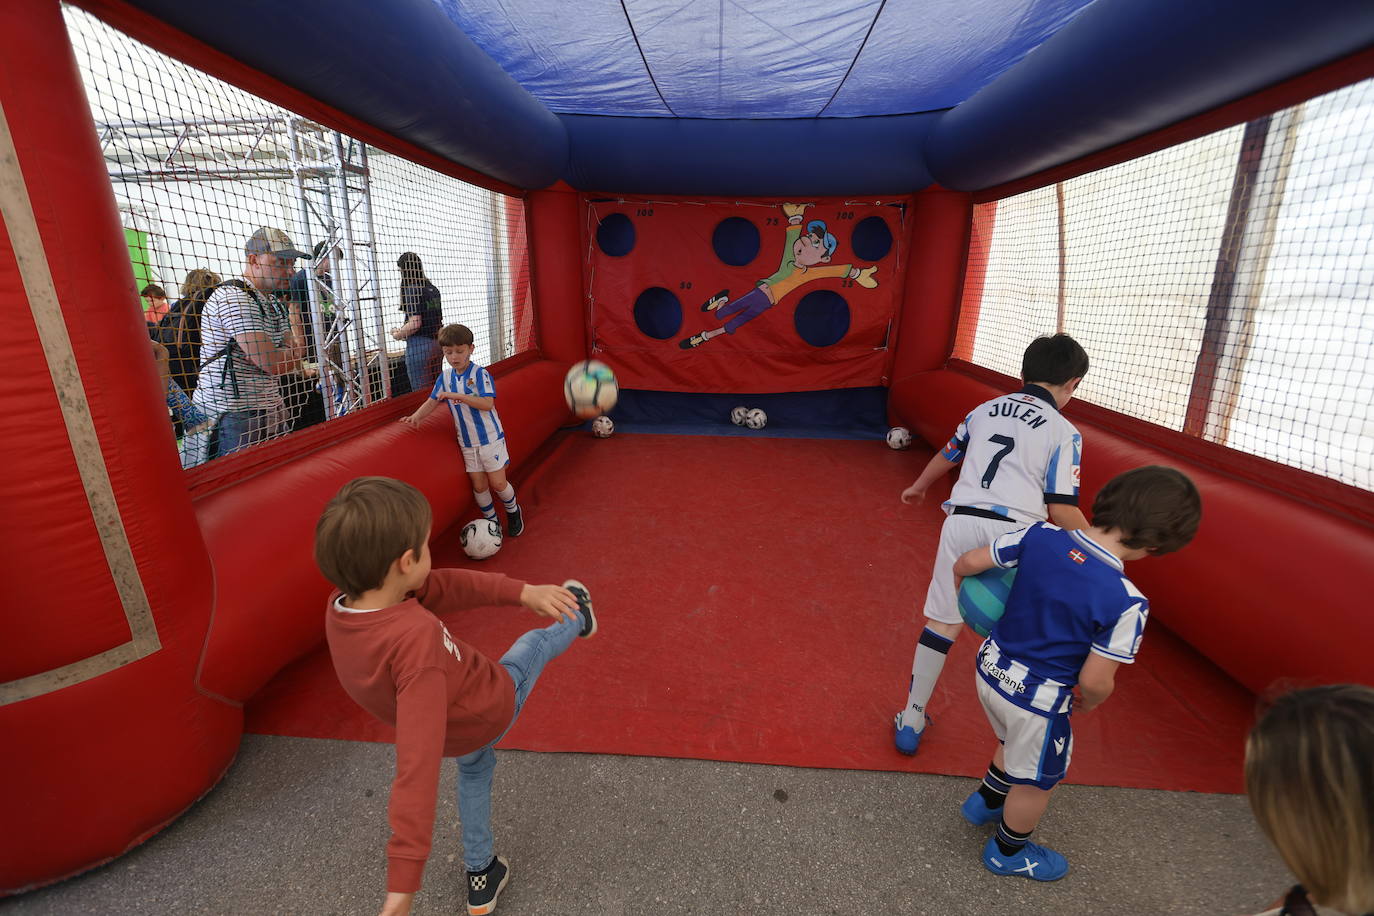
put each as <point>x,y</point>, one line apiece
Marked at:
<point>1221,287</point>
<point>198,166</point>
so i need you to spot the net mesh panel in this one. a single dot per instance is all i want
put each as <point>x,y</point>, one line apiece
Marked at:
<point>197,166</point>
<point>1221,287</point>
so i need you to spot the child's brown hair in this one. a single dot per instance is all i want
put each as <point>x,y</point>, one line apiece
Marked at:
<point>454,335</point>
<point>1153,506</point>
<point>366,527</point>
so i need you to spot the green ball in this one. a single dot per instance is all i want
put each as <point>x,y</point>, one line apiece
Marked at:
<point>983,598</point>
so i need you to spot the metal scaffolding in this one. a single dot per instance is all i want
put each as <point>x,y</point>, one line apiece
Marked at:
<point>332,186</point>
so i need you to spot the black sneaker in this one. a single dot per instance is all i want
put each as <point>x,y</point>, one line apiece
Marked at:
<point>696,340</point>
<point>584,604</point>
<point>515,523</point>
<point>716,301</point>
<point>485,886</point>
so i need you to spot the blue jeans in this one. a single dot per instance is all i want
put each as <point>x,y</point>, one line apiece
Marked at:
<point>238,429</point>
<point>422,361</point>
<point>525,660</point>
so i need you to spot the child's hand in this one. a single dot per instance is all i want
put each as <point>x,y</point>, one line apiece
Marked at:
<point>913,495</point>
<point>397,904</point>
<point>550,601</point>
<point>411,421</point>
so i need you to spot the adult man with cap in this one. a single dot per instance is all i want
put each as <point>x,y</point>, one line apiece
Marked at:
<point>249,336</point>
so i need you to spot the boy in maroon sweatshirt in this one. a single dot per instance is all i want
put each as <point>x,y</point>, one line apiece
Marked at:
<point>400,663</point>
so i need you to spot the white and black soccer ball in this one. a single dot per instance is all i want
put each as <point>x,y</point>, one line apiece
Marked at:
<point>737,415</point>
<point>898,437</point>
<point>755,418</point>
<point>481,538</point>
<point>602,427</point>
<point>590,389</point>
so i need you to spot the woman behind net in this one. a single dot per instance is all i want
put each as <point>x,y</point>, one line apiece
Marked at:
<point>1309,773</point>
<point>424,317</point>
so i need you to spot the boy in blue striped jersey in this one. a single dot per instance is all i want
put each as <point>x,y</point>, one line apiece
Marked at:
<point>1071,620</point>
<point>470,394</point>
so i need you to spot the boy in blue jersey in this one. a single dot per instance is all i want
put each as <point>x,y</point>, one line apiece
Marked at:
<point>1071,620</point>
<point>1018,460</point>
<point>471,396</point>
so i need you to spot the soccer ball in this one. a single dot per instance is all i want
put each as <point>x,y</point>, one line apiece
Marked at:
<point>755,419</point>
<point>602,427</point>
<point>481,538</point>
<point>898,437</point>
<point>983,598</point>
<point>737,415</point>
<point>590,389</point>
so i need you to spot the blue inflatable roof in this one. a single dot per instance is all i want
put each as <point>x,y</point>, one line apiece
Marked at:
<point>774,97</point>
<point>756,59</point>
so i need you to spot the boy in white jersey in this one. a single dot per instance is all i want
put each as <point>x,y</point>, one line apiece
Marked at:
<point>471,396</point>
<point>1019,464</point>
<point>1071,620</point>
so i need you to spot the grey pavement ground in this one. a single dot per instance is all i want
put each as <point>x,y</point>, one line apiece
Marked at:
<point>298,826</point>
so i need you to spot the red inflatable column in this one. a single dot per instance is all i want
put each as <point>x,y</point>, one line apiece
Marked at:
<point>556,248</point>
<point>108,583</point>
<point>938,242</point>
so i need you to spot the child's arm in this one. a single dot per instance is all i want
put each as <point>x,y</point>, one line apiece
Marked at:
<point>420,722</point>
<point>937,467</point>
<point>421,412</point>
<point>1068,517</point>
<point>1096,680</point>
<point>472,400</point>
<point>449,590</point>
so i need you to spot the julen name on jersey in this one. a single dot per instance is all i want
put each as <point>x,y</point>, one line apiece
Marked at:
<point>1024,413</point>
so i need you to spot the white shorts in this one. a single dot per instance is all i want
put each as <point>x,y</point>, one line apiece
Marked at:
<point>959,535</point>
<point>1036,748</point>
<point>490,457</point>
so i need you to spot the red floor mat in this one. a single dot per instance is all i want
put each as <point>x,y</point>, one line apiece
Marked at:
<point>759,602</point>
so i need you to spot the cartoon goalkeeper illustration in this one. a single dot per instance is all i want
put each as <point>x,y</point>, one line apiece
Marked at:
<point>806,256</point>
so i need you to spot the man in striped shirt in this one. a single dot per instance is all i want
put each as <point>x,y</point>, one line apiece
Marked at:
<point>470,394</point>
<point>1071,620</point>
<point>249,338</point>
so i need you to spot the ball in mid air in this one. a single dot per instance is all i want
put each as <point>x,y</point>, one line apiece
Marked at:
<point>590,388</point>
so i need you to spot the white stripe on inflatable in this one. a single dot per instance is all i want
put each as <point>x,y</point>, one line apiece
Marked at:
<point>36,276</point>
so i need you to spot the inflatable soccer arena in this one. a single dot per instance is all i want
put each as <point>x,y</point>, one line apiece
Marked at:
<point>847,217</point>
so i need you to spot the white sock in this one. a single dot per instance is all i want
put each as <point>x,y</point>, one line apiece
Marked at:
<point>508,498</point>
<point>484,503</point>
<point>931,652</point>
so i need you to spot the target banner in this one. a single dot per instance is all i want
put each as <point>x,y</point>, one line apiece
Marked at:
<point>752,296</point>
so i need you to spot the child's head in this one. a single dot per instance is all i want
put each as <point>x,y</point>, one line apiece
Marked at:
<point>456,342</point>
<point>373,529</point>
<point>154,298</point>
<point>1055,361</point>
<point>1310,781</point>
<point>1155,509</point>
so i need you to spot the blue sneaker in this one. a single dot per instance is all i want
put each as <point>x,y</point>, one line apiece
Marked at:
<point>976,811</point>
<point>906,738</point>
<point>1033,861</point>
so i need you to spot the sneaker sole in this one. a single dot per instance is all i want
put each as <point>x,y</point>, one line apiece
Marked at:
<point>591,612</point>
